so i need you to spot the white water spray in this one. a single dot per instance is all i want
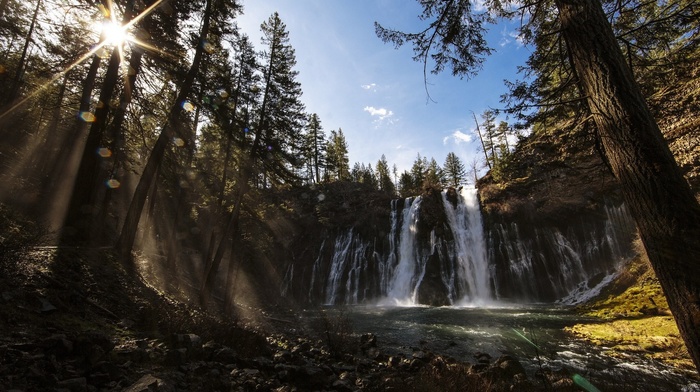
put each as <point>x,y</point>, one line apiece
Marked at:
<point>472,276</point>
<point>406,275</point>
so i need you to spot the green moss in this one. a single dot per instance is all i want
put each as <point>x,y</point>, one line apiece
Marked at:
<point>636,293</point>
<point>633,316</point>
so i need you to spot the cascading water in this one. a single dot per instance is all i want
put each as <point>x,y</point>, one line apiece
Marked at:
<point>559,262</point>
<point>444,255</point>
<point>410,265</point>
<point>473,275</point>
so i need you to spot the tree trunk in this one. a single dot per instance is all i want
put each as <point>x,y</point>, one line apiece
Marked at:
<point>83,208</point>
<point>16,81</point>
<point>657,194</point>
<point>483,146</point>
<point>68,233</point>
<point>115,133</point>
<point>244,177</point>
<point>131,222</point>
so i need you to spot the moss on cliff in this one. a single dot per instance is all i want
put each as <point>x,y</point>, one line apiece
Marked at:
<point>632,315</point>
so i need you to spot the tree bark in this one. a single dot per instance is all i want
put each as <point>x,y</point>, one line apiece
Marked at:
<point>84,205</point>
<point>155,159</point>
<point>657,194</point>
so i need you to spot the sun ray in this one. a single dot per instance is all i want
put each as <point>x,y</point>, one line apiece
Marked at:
<point>108,13</point>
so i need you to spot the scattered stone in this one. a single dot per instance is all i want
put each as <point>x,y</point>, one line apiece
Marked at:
<point>144,384</point>
<point>482,357</point>
<point>74,384</point>
<point>510,366</point>
<point>368,340</point>
<point>46,306</point>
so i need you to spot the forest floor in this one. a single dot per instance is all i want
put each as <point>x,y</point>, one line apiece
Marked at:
<point>75,320</point>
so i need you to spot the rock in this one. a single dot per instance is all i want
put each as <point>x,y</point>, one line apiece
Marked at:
<point>176,357</point>
<point>416,364</point>
<point>368,340</point>
<point>146,383</point>
<point>74,384</point>
<point>283,356</point>
<point>478,368</point>
<point>343,386</point>
<point>374,353</point>
<point>510,366</point>
<point>482,357</point>
<point>58,345</point>
<point>188,341</point>
<point>420,355</point>
<point>46,306</point>
<point>225,355</point>
<point>563,384</point>
<point>394,361</point>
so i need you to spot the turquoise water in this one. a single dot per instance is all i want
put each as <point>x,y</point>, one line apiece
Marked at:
<point>533,334</point>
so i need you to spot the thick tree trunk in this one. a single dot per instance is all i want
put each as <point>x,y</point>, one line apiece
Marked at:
<point>83,206</point>
<point>658,196</point>
<point>81,127</point>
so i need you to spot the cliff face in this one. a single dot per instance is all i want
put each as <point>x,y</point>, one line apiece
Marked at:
<point>436,250</point>
<point>557,183</point>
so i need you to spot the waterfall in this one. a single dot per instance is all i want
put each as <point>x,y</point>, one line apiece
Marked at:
<point>473,275</point>
<point>444,255</point>
<point>464,269</point>
<point>409,266</point>
<point>347,267</point>
<point>562,262</point>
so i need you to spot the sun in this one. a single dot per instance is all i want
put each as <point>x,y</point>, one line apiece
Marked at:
<point>114,33</point>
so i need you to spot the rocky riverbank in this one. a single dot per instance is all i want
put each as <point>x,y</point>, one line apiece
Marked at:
<point>75,321</point>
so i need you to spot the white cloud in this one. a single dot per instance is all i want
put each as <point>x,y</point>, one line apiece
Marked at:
<point>370,86</point>
<point>382,113</point>
<point>509,36</point>
<point>457,137</point>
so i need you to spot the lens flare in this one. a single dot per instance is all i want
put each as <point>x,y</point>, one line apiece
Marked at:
<point>209,48</point>
<point>87,117</point>
<point>104,152</point>
<point>115,34</point>
<point>583,383</point>
<point>112,183</point>
<point>188,106</point>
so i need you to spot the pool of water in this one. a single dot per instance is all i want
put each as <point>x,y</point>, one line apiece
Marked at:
<point>534,334</point>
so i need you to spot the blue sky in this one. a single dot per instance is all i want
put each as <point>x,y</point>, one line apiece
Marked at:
<point>375,92</point>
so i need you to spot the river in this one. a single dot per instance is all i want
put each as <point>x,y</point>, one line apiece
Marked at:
<point>533,334</point>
